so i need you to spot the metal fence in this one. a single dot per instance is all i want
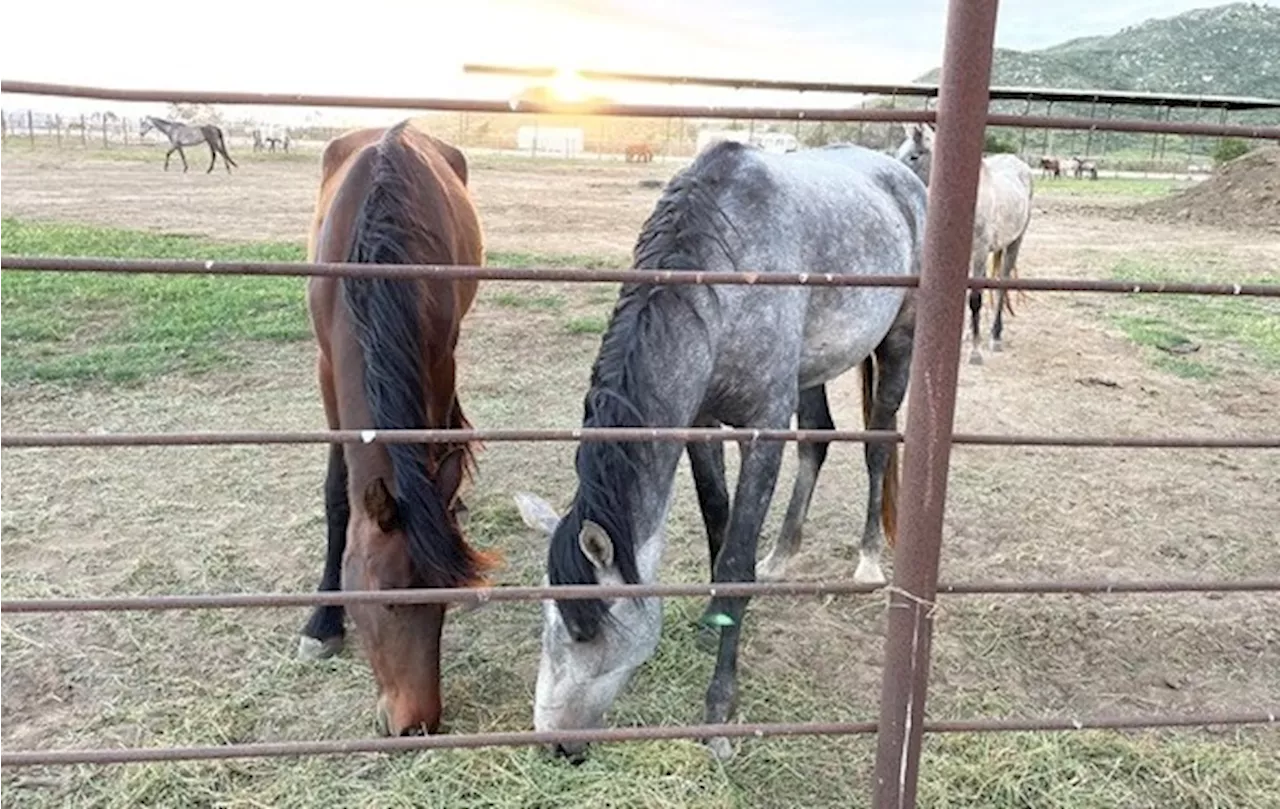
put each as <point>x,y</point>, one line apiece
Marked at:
<point>961,115</point>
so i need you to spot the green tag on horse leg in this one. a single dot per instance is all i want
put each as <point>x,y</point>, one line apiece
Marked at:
<point>718,619</point>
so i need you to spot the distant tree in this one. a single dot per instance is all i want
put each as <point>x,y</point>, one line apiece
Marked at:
<point>1229,149</point>
<point>195,113</point>
<point>997,145</point>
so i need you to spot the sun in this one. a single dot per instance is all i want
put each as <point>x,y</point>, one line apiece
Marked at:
<point>568,85</point>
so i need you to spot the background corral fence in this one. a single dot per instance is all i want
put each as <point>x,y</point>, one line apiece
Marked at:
<point>962,114</point>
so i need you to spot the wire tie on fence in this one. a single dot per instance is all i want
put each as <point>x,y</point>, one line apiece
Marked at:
<point>1235,289</point>
<point>368,436</point>
<point>1077,724</point>
<point>892,589</point>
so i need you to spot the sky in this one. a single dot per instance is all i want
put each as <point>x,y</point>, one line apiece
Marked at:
<point>394,47</point>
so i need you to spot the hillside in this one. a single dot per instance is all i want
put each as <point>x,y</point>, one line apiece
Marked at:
<point>1228,50</point>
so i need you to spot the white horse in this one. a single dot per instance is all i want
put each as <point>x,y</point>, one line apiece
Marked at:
<point>1000,221</point>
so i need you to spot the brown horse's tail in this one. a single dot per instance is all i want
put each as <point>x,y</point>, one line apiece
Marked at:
<point>889,492</point>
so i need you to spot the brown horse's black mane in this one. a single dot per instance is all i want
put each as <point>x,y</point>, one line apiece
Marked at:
<point>401,221</point>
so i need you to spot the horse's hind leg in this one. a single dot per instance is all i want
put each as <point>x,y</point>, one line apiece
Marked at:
<point>893,363</point>
<point>1008,269</point>
<point>183,155</point>
<point>168,155</point>
<point>813,413</point>
<point>979,268</point>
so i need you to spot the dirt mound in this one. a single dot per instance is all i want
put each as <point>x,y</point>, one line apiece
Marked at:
<point>1244,194</point>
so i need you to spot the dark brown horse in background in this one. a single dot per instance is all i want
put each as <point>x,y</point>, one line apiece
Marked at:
<point>386,361</point>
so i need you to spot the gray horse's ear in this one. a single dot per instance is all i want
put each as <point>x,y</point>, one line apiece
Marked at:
<point>537,513</point>
<point>596,545</point>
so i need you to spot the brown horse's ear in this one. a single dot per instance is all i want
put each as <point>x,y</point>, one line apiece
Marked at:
<point>449,475</point>
<point>380,505</point>
<point>454,157</point>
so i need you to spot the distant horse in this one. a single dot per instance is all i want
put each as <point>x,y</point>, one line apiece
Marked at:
<point>386,361</point>
<point>638,152</point>
<point>749,356</point>
<point>268,138</point>
<point>1082,167</point>
<point>1000,222</point>
<point>180,135</point>
<point>1050,167</point>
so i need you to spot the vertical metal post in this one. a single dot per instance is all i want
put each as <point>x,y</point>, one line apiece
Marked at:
<point>1088,141</point>
<point>962,111</point>
<point>1048,133</point>
<point>1022,150</point>
<point>57,123</point>
<point>31,128</point>
<point>105,145</point>
<point>1106,136</point>
<point>84,132</point>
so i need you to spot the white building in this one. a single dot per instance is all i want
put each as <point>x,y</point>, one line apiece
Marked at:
<point>550,140</point>
<point>769,141</point>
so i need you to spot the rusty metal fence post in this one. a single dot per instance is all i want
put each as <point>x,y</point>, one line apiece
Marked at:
<point>962,115</point>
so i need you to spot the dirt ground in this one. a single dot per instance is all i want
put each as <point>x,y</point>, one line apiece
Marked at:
<point>248,518</point>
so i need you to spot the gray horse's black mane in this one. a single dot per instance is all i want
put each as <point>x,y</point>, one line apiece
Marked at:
<point>683,230</point>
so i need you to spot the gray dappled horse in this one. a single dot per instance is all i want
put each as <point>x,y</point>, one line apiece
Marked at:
<point>180,135</point>
<point>999,222</point>
<point>747,356</point>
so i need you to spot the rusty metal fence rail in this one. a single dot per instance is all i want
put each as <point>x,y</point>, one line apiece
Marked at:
<point>962,114</point>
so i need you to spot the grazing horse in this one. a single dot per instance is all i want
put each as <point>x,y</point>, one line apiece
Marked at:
<point>1050,167</point>
<point>180,135</point>
<point>386,361</point>
<point>1083,167</point>
<point>1000,222</point>
<point>748,356</point>
<point>638,152</point>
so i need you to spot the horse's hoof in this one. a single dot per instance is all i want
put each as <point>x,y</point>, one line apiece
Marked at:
<point>312,649</point>
<point>997,346</point>
<point>869,571</point>
<point>975,358</point>
<point>720,748</point>
<point>769,569</point>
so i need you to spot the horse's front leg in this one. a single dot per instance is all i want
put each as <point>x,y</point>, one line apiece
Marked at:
<point>737,563</point>
<point>168,155</point>
<point>183,155</point>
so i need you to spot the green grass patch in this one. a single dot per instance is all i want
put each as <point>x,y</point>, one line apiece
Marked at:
<point>80,327</point>
<point>1180,331</point>
<point>1096,770</point>
<point>514,300</point>
<point>76,328</point>
<point>587,324</point>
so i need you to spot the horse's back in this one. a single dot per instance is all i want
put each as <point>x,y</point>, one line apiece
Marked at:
<point>844,210</point>
<point>830,192</point>
<point>1004,200</point>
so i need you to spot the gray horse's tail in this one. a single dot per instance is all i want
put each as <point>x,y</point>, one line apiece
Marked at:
<point>222,147</point>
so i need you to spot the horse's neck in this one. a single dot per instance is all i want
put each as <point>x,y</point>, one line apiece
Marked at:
<point>679,366</point>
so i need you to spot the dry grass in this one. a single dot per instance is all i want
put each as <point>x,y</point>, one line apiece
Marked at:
<point>247,518</point>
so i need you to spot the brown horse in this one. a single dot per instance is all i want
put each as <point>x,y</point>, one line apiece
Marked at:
<point>386,361</point>
<point>638,152</point>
